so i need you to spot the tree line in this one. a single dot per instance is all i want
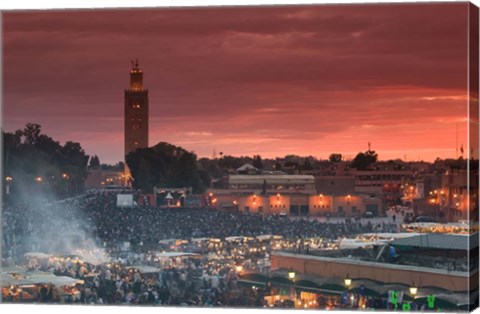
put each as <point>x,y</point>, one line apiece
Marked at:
<point>34,162</point>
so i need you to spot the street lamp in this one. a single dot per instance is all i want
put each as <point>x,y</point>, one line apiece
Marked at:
<point>413,290</point>
<point>8,180</point>
<point>291,274</point>
<point>239,268</point>
<point>38,179</point>
<point>347,281</point>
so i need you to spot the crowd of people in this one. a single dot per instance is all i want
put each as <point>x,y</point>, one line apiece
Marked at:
<point>93,221</point>
<point>193,282</point>
<point>96,217</point>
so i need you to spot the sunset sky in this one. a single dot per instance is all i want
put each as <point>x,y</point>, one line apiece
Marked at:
<point>305,80</point>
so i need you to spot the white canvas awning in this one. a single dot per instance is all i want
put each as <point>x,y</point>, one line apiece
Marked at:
<point>175,254</point>
<point>143,269</point>
<point>231,239</point>
<point>200,239</point>
<point>38,255</point>
<point>54,280</point>
<point>264,237</point>
<point>167,241</point>
<point>9,280</point>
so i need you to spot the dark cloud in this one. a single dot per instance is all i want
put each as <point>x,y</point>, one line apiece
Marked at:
<point>266,79</point>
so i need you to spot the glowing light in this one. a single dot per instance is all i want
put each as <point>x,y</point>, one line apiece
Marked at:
<point>413,290</point>
<point>347,281</point>
<point>291,274</point>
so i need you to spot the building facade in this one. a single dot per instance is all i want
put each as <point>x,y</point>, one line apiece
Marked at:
<point>293,195</point>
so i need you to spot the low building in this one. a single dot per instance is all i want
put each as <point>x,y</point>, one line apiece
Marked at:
<point>443,265</point>
<point>295,204</point>
<point>290,184</point>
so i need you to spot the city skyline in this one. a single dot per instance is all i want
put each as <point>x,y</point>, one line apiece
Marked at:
<point>304,80</point>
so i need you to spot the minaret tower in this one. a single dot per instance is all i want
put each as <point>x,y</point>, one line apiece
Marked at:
<point>136,114</point>
<point>136,111</point>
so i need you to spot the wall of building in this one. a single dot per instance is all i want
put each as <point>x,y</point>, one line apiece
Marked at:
<point>335,185</point>
<point>348,205</point>
<point>386,273</point>
<point>279,204</point>
<point>296,204</point>
<point>253,204</point>
<point>320,205</point>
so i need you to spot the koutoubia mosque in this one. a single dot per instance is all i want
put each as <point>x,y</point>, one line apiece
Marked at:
<point>136,114</point>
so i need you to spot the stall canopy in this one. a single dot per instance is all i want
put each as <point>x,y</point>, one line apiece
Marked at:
<point>38,255</point>
<point>200,239</point>
<point>235,238</point>
<point>175,254</point>
<point>264,237</point>
<point>54,280</point>
<point>12,270</point>
<point>145,269</point>
<point>8,280</point>
<point>440,241</point>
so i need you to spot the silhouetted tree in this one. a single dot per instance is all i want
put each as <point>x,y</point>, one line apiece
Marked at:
<point>28,154</point>
<point>335,157</point>
<point>307,165</point>
<point>165,165</point>
<point>257,162</point>
<point>94,162</point>
<point>364,160</point>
